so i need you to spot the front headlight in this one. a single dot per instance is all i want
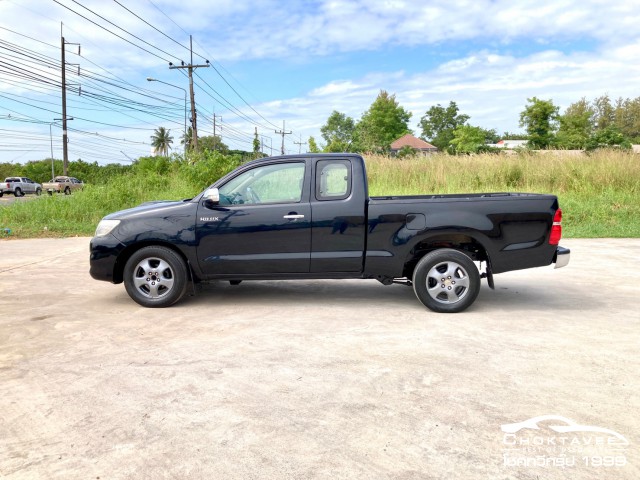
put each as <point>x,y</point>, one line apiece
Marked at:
<point>105,227</point>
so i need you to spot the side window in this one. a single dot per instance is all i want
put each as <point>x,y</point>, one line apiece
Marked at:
<point>279,183</point>
<point>333,179</point>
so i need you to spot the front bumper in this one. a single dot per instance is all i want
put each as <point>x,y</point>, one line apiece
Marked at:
<point>103,258</point>
<point>561,258</point>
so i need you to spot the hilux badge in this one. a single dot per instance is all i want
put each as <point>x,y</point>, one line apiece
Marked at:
<point>209,219</point>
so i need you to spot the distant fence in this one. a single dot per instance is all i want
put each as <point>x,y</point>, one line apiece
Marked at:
<point>562,153</point>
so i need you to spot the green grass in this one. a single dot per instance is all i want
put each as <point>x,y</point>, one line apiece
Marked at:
<point>599,193</point>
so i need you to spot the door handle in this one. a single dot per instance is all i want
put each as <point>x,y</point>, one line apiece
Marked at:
<point>293,216</point>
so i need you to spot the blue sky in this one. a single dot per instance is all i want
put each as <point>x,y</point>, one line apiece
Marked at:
<point>297,62</point>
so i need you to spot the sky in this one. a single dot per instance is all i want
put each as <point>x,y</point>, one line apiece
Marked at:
<point>294,62</point>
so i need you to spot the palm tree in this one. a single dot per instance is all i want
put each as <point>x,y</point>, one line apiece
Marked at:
<point>187,139</point>
<point>161,141</point>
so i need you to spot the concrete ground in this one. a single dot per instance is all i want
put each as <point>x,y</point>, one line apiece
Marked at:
<point>9,198</point>
<point>318,379</point>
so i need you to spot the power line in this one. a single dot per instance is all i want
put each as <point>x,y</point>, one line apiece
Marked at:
<point>152,26</point>
<point>113,33</point>
<point>109,90</point>
<point>215,69</point>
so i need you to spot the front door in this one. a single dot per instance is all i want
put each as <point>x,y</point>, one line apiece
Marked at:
<point>262,224</point>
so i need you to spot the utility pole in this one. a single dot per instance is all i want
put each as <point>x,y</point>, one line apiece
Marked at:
<point>65,137</point>
<point>190,67</point>
<point>283,133</point>
<point>215,139</point>
<point>300,143</point>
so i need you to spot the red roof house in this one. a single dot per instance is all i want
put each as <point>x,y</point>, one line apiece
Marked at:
<point>416,143</point>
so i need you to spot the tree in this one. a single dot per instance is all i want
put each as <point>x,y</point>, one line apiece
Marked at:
<point>513,136</point>
<point>576,125</point>
<point>468,139</point>
<point>256,143</point>
<point>187,138</point>
<point>338,132</point>
<point>439,123</point>
<point>407,151</point>
<point>540,120</point>
<point>490,135</point>
<point>212,143</point>
<point>313,146</point>
<point>608,137</point>
<point>604,112</point>
<point>384,122</point>
<point>161,141</point>
<point>627,117</point>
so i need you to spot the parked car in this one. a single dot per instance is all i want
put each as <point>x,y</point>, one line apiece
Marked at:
<point>20,186</point>
<point>310,216</point>
<point>63,184</point>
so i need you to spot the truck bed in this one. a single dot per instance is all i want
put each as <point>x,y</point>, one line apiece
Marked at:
<point>512,228</point>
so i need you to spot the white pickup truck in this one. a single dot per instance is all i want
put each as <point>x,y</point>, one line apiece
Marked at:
<point>19,186</point>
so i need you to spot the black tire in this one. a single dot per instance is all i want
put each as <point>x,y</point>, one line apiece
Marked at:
<point>38,191</point>
<point>67,191</point>
<point>446,281</point>
<point>1,194</point>
<point>155,277</point>
<point>17,192</point>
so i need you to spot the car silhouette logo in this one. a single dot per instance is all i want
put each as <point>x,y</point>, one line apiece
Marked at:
<point>567,426</point>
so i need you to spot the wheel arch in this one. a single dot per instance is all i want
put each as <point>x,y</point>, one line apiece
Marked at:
<point>125,255</point>
<point>463,242</point>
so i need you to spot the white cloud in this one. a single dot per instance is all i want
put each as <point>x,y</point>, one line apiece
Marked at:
<point>284,30</point>
<point>491,88</point>
<point>488,79</point>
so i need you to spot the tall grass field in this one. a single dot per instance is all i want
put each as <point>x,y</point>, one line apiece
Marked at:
<point>599,193</point>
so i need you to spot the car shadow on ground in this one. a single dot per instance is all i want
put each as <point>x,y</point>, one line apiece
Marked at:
<point>337,292</point>
<point>509,295</point>
<point>517,295</point>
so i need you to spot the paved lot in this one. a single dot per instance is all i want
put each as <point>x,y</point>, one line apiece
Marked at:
<point>9,198</point>
<point>317,379</point>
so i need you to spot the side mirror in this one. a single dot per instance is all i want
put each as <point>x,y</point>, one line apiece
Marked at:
<point>211,197</point>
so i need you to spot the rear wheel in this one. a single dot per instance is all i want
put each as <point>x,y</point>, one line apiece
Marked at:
<point>67,191</point>
<point>38,191</point>
<point>155,277</point>
<point>446,281</point>
<point>17,192</point>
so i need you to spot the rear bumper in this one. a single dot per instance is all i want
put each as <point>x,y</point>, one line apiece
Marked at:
<point>561,258</point>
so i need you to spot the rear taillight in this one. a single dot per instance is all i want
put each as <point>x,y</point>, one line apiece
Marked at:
<point>556,228</point>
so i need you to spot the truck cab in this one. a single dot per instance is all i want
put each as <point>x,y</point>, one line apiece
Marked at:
<point>285,216</point>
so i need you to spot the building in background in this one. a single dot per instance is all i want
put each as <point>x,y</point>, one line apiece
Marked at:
<point>418,144</point>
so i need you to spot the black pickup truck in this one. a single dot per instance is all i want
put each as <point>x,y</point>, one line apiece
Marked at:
<point>311,217</point>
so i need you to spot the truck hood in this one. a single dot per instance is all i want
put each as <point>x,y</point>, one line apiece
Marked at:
<point>155,208</point>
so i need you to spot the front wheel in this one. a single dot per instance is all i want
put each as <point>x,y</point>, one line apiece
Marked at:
<point>67,191</point>
<point>155,277</point>
<point>38,191</point>
<point>446,281</point>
